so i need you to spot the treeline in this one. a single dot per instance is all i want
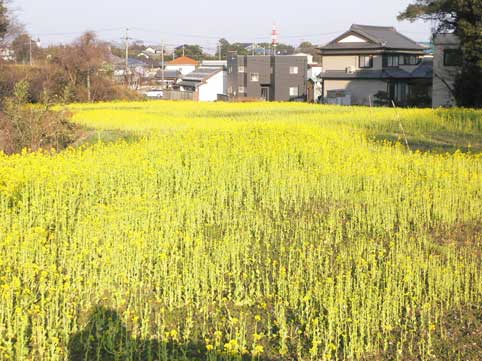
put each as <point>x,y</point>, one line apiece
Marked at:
<point>76,72</point>
<point>40,78</point>
<point>464,19</point>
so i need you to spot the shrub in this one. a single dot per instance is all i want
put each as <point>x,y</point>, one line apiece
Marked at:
<point>33,127</point>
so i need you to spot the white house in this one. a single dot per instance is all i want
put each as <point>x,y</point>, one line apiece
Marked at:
<point>7,54</point>
<point>214,64</point>
<point>309,57</point>
<point>206,83</point>
<point>183,64</point>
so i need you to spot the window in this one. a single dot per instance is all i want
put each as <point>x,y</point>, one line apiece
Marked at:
<point>241,69</point>
<point>452,57</point>
<point>409,60</point>
<point>230,90</point>
<point>254,77</point>
<point>293,70</point>
<point>366,61</point>
<point>242,90</point>
<point>230,70</point>
<point>293,91</point>
<point>390,61</point>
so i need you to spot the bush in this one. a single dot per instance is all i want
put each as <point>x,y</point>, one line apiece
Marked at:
<point>51,79</point>
<point>381,99</point>
<point>33,127</point>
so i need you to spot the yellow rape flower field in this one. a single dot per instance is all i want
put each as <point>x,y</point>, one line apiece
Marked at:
<point>253,231</point>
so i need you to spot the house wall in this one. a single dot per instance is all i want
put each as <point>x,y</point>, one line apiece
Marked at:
<point>262,66</point>
<point>184,69</point>
<point>361,90</point>
<point>232,76</point>
<point>443,75</point>
<point>341,62</point>
<point>215,85</point>
<point>274,71</point>
<point>314,71</point>
<point>282,80</point>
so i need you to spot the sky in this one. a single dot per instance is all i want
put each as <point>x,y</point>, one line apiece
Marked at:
<point>204,22</point>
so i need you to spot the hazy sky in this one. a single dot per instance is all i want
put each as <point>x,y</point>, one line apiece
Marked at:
<point>203,22</point>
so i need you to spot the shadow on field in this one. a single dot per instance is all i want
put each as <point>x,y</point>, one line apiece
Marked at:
<point>106,338</point>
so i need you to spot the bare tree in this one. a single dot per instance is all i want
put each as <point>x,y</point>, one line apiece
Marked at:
<point>10,26</point>
<point>81,60</point>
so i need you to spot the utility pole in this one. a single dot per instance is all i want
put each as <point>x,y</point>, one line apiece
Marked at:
<point>162,63</point>
<point>30,51</point>
<point>127,55</point>
<point>183,50</point>
<point>219,51</point>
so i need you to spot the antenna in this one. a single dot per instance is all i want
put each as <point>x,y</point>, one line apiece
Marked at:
<point>274,38</point>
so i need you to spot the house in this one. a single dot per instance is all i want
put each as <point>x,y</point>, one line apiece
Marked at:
<point>7,54</point>
<point>153,50</point>
<point>255,49</point>
<point>314,87</point>
<point>273,78</point>
<point>168,78</point>
<point>370,63</point>
<point>184,64</point>
<point>309,57</point>
<point>214,64</point>
<point>205,84</point>
<point>446,65</point>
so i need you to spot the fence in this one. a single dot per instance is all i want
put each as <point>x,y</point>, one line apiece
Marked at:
<point>178,95</point>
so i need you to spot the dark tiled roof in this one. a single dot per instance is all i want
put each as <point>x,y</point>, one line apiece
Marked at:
<point>377,37</point>
<point>168,74</point>
<point>201,74</point>
<point>198,77</point>
<point>189,84</point>
<point>424,70</point>
<point>136,62</point>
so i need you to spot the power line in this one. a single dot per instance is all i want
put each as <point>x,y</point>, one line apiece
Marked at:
<point>80,32</point>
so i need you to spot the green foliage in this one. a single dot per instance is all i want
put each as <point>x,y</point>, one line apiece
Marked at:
<point>381,99</point>
<point>33,127</point>
<point>3,19</point>
<point>21,46</point>
<point>468,87</point>
<point>464,18</point>
<point>192,51</point>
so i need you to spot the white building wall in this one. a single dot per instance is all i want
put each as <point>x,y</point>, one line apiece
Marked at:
<point>215,85</point>
<point>443,76</point>
<point>184,69</point>
<point>314,71</point>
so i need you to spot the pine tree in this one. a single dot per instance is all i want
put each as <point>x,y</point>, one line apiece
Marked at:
<point>464,19</point>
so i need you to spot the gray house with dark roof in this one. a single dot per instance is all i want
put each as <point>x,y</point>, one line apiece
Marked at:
<point>272,78</point>
<point>367,63</point>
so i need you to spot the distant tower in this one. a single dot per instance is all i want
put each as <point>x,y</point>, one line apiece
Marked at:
<point>274,39</point>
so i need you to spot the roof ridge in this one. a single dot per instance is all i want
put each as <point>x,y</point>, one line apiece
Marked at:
<point>392,28</point>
